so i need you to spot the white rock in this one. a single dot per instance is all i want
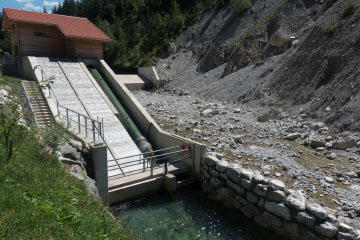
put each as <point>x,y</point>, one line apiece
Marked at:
<point>278,209</point>
<point>326,229</point>
<point>277,185</point>
<point>317,210</point>
<point>296,200</point>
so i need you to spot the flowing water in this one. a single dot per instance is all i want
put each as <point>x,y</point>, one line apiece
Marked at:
<point>187,214</point>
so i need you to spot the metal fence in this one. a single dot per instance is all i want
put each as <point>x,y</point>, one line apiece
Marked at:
<point>9,65</point>
<point>148,162</point>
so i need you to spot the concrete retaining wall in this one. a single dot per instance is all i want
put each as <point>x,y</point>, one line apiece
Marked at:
<point>150,74</point>
<point>146,124</point>
<point>269,203</point>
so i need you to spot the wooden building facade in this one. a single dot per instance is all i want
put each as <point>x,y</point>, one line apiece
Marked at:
<point>51,35</point>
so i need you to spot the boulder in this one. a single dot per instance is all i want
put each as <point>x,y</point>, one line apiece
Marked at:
<point>77,172</point>
<point>344,236</point>
<point>278,39</point>
<point>349,142</point>
<point>234,186</point>
<point>316,142</point>
<point>247,184</point>
<point>207,112</point>
<point>250,211</point>
<point>293,136</point>
<point>278,209</point>
<point>345,228</point>
<point>234,174</point>
<point>276,185</point>
<point>317,211</point>
<point>296,200</point>
<point>277,196</point>
<point>258,177</point>
<point>224,194</point>
<point>215,182</point>
<point>90,185</point>
<point>326,229</point>
<point>222,166</point>
<point>211,159</point>
<point>238,140</point>
<point>251,197</point>
<point>261,190</point>
<point>246,174</point>
<point>69,152</point>
<point>305,219</point>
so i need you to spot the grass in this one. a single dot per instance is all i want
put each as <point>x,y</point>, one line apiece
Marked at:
<point>347,10</point>
<point>40,200</point>
<point>6,80</point>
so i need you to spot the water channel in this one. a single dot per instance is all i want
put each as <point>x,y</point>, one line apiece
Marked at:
<point>187,214</point>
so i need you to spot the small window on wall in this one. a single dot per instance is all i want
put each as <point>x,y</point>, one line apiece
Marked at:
<point>41,34</point>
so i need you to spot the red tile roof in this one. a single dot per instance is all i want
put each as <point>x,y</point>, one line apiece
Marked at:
<point>70,26</point>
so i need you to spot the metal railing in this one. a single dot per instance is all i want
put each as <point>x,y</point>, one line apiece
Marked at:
<point>92,126</point>
<point>149,161</point>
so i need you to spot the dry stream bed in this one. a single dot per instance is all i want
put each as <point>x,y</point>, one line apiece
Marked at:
<point>233,130</point>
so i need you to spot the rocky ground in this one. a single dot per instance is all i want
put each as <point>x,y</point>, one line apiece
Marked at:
<point>300,55</point>
<point>307,155</point>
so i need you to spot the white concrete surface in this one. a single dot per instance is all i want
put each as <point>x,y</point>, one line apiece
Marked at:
<point>74,89</point>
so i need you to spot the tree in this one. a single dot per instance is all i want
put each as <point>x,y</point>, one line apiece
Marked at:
<point>10,115</point>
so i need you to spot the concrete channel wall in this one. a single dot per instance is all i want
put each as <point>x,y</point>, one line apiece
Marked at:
<point>149,128</point>
<point>269,203</point>
<point>150,74</point>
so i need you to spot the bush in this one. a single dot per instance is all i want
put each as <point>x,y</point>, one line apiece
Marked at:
<point>349,8</point>
<point>241,5</point>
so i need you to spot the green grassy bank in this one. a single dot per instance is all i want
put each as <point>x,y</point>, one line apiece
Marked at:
<point>39,200</point>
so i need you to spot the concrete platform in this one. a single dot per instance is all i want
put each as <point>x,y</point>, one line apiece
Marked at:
<point>138,185</point>
<point>133,81</point>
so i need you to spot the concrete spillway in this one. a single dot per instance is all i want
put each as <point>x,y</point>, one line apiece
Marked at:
<point>75,90</point>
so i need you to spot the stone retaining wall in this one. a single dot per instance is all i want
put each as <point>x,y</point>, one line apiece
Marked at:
<point>269,203</point>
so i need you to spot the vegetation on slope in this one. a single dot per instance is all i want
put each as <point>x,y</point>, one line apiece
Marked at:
<point>139,28</point>
<point>39,200</point>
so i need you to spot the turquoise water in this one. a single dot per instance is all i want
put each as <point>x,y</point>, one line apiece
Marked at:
<point>187,214</point>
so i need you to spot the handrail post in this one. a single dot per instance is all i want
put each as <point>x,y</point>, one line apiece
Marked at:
<point>93,129</point>
<point>102,125</point>
<point>143,162</point>
<point>79,125</point>
<point>86,127</point>
<point>100,130</point>
<point>67,117</point>
<point>151,167</point>
<point>166,166</point>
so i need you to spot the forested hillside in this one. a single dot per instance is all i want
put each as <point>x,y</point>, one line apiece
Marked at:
<point>139,28</point>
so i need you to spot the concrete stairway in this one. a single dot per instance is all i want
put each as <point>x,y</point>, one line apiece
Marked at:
<point>38,103</point>
<point>75,90</point>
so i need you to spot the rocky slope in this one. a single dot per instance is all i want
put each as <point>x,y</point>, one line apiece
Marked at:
<point>300,55</point>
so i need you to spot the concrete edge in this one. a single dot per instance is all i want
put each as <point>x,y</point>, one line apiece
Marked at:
<point>150,74</point>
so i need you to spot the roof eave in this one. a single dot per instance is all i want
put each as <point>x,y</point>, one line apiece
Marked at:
<point>55,25</point>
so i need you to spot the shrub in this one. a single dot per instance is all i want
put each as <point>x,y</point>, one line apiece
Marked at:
<point>241,5</point>
<point>349,8</point>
